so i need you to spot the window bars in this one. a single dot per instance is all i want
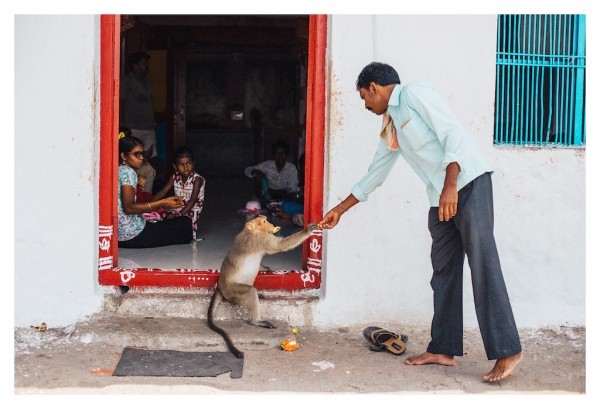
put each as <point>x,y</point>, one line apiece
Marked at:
<point>540,80</point>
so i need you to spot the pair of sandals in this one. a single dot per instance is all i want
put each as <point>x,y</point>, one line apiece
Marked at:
<point>380,339</point>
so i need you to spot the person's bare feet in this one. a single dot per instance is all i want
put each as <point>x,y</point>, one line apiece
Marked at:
<point>429,358</point>
<point>503,368</point>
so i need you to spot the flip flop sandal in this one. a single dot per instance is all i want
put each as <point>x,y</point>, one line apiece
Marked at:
<point>372,345</point>
<point>370,332</point>
<point>380,339</point>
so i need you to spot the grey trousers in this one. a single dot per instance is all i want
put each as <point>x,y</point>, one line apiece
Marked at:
<point>470,232</point>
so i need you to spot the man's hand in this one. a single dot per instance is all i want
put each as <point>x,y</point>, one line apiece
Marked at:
<point>331,218</point>
<point>449,197</point>
<point>448,203</point>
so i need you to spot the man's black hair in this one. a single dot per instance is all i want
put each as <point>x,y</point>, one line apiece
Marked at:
<point>136,57</point>
<point>379,73</point>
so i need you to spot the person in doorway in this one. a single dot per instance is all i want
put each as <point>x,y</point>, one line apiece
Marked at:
<point>133,229</point>
<point>419,126</point>
<point>188,185</point>
<point>145,173</point>
<point>293,207</point>
<point>137,110</point>
<point>278,178</point>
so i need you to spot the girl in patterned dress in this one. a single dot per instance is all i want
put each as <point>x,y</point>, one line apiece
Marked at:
<point>188,185</point>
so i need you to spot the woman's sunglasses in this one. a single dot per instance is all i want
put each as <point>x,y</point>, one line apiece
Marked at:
<point>137,154</point>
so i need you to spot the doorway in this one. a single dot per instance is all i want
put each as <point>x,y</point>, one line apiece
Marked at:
<point>263,78</point>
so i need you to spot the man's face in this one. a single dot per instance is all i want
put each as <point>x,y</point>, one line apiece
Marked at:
<point>280,155</point>
<point>374,100</point>
<point>142,67</point>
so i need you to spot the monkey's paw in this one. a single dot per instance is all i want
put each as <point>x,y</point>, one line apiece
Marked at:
<point>312,227</point>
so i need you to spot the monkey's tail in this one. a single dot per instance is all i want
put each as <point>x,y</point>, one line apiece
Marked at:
<point>214,303</point>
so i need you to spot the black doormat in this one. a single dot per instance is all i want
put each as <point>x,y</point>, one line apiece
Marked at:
<point>146,362</point>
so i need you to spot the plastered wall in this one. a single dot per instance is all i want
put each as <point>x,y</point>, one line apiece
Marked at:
<point>56,186</point>
<point>377,265</point>
<point>377,259</point>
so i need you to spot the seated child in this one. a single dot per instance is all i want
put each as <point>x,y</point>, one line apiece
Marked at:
<point>187,184</point>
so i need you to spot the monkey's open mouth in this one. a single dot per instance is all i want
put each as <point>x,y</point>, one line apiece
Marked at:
<point>275,229</point>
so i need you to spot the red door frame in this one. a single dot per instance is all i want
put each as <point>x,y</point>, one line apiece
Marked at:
<point>108,271</point>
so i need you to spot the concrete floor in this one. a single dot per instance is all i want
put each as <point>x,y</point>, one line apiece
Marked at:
<point>80,359</point>
<point>219,222</point>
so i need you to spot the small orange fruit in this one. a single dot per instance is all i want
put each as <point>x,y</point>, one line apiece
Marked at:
<point>289,345</point>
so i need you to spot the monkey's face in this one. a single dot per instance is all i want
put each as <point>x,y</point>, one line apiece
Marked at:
<point>260,225</point>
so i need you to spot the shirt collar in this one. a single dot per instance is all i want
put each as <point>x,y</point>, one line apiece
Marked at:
<point>395,96</point>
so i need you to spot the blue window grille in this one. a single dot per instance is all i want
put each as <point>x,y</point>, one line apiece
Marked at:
<point>540,80</point>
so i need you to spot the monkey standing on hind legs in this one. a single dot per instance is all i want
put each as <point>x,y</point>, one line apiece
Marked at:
<point>240,268</point>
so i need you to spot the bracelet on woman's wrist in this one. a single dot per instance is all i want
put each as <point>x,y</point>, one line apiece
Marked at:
<point>342,207</point>
<point>149,207</point>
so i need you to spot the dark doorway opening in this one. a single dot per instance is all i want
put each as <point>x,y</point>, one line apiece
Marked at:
<point>227,87</point>
<point>227,84</point>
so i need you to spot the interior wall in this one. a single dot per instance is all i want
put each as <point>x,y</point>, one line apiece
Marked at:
<point>221,154</point>
<point>158,78</point>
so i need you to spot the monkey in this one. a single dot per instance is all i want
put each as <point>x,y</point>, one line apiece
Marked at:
<point>240,268</point>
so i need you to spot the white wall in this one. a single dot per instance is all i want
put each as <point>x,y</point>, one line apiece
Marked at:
<point>377,266</point>
<point>56,199</point>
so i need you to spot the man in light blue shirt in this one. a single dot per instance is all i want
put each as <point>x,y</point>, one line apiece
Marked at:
<point>419,126</point>
<point>430,138</point>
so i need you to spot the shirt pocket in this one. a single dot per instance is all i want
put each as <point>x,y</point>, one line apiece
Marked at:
<point>416,133</point>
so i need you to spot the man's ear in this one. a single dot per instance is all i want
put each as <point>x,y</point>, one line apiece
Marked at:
<point>374,88</point>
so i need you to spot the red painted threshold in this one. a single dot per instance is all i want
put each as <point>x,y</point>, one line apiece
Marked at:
<point>285,280</point>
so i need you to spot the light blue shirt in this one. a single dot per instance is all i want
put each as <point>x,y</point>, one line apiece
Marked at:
<point>430,138</point>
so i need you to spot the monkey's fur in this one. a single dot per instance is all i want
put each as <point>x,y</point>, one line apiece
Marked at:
<point>240,268</point>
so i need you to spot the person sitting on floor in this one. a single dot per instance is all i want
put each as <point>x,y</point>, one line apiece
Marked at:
<point>133,229</point>
<point>293,206</point>
<point>188,185</point>
<point>145,173</point>
<point>278,178</point>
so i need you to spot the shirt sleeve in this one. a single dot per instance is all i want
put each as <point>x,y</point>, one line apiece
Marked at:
<point>261,166</point>
<point>292,178</point>
<point>438,116</point>
<point>128,177</point>
<point>379,169</point>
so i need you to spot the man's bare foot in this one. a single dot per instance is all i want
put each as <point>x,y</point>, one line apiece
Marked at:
<point>503,368</point>
<point>429,358</point>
